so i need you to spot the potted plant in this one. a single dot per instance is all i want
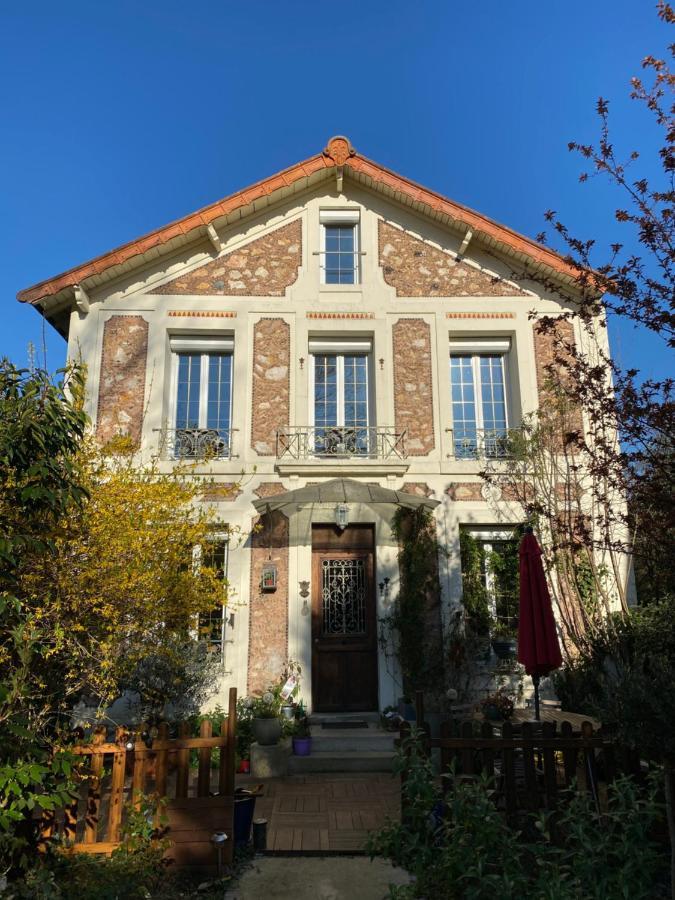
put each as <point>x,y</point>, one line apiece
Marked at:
<point>504,640</point>
<point>497,706</point>
<point>302,738</point>
<point>390,719</point>
<point>266,724</point>
<point>287,710</point>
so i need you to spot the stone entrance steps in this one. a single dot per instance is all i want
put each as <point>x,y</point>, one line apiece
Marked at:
<point>346,749</point>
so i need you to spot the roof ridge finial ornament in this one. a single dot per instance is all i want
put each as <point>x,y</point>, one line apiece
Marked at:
<point>339,149</point>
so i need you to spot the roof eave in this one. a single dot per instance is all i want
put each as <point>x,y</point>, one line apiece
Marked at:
<point>110,263</point>
<point>339,155</point>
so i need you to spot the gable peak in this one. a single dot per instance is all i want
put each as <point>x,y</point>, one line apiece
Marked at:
<point>339,148</point>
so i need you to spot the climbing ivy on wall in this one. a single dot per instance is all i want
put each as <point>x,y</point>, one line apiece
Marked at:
<point>418,643</point>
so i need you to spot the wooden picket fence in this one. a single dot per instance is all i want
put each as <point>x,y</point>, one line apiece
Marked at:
<point>530,764</point>
<point>113,775</point>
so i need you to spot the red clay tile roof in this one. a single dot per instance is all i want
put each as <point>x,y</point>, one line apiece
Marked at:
<point>339,152</point>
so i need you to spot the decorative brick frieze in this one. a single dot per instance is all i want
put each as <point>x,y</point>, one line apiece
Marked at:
<point>413,399</point>
<point>219,491</point>
<point>480,315</point>
<point>340,315</point>
<point>419,488</point>
<point>121,389</point>
<point>269,489</point>
<point>268,611</point>
<point>202,314</point>
<point>416,269</point>
<point>549,362</point>
<point>263,268</point>
<point>271,383</point>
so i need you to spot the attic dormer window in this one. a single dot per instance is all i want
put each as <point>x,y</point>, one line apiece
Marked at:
<point>339,246</point>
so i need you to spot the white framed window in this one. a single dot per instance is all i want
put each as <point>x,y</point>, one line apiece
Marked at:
<point>479,392</point>
<point>499,572</point>
<point>202,395</point>
<point>340,252</point>
<point>340,396</point>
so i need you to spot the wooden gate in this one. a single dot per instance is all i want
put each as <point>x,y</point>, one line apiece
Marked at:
<point>198,800</point>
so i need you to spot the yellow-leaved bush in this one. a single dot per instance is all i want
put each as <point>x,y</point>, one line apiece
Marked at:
<point>121,581</point>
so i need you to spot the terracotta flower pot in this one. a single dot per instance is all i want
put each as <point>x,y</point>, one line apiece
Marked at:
<point>267,731</point>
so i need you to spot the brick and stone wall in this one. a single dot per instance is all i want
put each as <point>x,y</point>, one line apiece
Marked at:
<point>481,491</point>
<point>418,488</point>
<point>416,269</point>
<point>263,268</point>
<point>465,490</point>
<point>271,383</point>
<point>269,489</point>
<point>121,391</point>
<point>268,622</point>
<point>413,397</point>
<point>219,491</point>
<point>549,361</point>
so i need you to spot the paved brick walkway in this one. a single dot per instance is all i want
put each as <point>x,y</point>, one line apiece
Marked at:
<point>325,812</point>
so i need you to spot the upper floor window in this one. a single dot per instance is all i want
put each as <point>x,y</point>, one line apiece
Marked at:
<point>339,246</point>
<point>341,401</point>
<point>202,396</point>
<point>478,387</point>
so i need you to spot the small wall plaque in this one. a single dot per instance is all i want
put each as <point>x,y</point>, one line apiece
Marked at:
<point>268,582</point>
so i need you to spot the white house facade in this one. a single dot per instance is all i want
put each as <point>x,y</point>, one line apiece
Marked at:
<point>327,345</point>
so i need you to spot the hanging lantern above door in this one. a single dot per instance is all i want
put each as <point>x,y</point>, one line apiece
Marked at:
<point>342,516</point>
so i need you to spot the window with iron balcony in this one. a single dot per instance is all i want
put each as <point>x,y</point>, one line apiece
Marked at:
<point>201,405</point>
<point>481,428</point>
<point>342,423</point>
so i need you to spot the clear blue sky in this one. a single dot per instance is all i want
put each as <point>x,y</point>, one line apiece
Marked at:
<point>119,117</point>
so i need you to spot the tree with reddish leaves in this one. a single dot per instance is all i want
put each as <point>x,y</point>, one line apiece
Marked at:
<point>600,485</point>
<point>626,443</point>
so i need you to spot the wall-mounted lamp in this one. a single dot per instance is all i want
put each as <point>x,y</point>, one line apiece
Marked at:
<point>384,591</point>
<point>304,593</point>
<point>381,364</point>
<point>302,363</point>
<point>342,516</point>
<point>268,580</point>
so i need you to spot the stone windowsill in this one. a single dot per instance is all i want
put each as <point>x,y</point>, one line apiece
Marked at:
<point>347,467</point>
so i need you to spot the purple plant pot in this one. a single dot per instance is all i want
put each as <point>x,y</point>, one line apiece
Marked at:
<point>302,746</point>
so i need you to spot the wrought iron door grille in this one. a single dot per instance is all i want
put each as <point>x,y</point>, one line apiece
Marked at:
<point>343,596</point>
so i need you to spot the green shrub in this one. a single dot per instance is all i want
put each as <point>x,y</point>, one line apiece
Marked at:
<point>136,870</point>
<point>461,846</point>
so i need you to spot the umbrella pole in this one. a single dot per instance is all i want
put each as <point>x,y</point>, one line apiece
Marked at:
<point>535,682</point>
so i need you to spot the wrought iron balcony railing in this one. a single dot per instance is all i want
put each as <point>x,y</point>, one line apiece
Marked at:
<point>195,443</point>
<point>483,443</point>
<point>378,442</point>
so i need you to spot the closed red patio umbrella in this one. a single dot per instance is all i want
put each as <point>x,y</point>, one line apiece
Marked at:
<point>538,647</point>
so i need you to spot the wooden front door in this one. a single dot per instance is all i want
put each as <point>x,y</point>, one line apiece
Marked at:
<point>344,621</point>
